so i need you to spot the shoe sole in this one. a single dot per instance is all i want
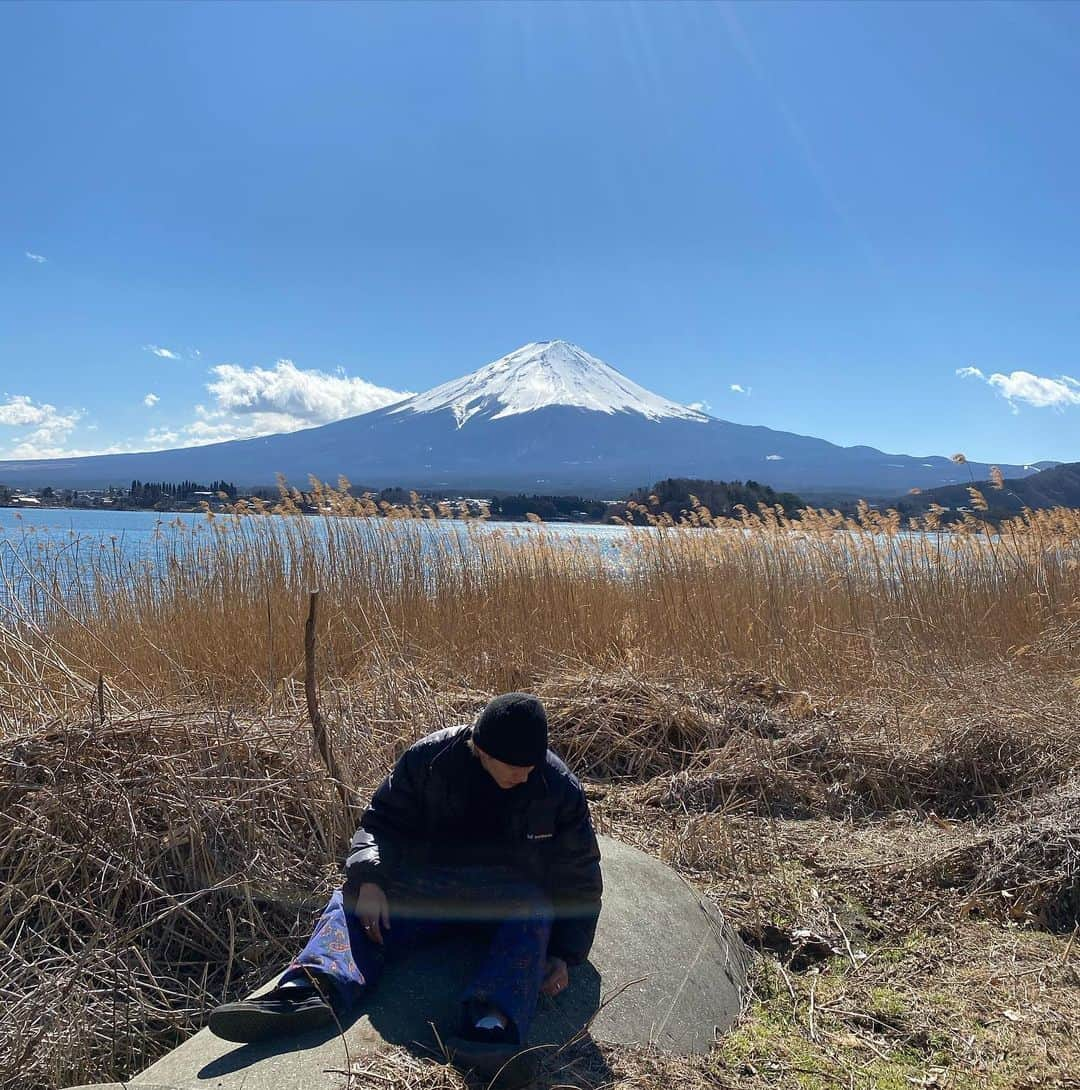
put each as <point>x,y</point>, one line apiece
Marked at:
<point>245,1025</point>
<point>516,1069</point>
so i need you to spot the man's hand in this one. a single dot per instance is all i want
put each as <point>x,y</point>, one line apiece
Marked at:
<point>556,977</point>
<point>373,910</point>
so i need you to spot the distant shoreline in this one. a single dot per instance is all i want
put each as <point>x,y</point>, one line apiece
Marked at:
<point>23,508</point>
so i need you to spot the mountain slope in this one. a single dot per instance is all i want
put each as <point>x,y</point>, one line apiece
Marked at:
<point>1058,486</point>
<point>548,416</point>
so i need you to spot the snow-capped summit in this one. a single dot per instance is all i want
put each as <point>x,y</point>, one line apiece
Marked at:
<point>542,374</point>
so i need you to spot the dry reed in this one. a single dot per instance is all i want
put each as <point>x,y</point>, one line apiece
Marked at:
<point>826,604</point>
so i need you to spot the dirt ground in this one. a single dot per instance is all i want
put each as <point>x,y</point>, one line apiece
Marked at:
<point>913,894</point>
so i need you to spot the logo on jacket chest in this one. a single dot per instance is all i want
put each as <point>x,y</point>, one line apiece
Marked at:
<point>540,822</point>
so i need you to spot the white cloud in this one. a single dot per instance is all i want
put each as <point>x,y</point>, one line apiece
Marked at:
<point>155,439</point>
<point>737,388</point>
<point>164,353</point>
<point>19,411</point>
<point>700,406</point>
<point>248,402</point>
<point>287,398</point>
<point>774,457</point>
<point>37,258</point>
<point>214,426</point>
<point>160,438</point>
<point>1035,390</point>
<point>50,430</point>
<point>50,427</point>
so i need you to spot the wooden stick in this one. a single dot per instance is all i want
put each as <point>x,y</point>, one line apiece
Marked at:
<point>311,692</point>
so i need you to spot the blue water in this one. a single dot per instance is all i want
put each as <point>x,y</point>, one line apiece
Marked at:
<point>133,529</point>
<point>135,532</point>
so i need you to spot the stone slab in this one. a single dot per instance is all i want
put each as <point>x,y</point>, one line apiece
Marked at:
<point>665,970</point>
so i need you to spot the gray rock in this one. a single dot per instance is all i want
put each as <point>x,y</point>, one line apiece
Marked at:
<point>665,970</point>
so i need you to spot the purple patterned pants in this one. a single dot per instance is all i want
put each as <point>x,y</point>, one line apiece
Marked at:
<point>430,904</point>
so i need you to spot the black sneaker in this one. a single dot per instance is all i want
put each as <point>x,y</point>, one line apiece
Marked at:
<point>501,1064</point>
<point>278,1013</point>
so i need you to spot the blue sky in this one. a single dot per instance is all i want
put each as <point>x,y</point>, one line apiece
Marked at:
<point>835,208</point>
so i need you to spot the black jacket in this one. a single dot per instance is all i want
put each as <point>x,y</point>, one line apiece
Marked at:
<point>551,832</point>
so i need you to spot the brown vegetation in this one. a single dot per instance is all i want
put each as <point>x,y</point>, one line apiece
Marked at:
<point>860,741</point>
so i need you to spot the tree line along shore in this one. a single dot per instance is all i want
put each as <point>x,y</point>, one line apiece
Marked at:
<point>674,495</point>
<point>992,500</point>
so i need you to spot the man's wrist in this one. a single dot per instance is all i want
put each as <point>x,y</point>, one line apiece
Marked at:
<point>350,891</point>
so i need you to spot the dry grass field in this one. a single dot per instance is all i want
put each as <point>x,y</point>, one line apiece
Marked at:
<point>859,738</point>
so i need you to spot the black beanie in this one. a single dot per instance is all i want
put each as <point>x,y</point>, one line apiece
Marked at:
<point>513,728</point>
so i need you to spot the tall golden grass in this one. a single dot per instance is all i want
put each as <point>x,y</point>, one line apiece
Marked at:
<point>835,606</point>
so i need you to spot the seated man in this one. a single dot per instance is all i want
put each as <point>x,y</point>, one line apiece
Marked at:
<point>477,826</point>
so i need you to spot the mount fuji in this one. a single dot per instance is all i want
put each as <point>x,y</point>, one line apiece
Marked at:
<point>540,376</point>
<point>548,417</point>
